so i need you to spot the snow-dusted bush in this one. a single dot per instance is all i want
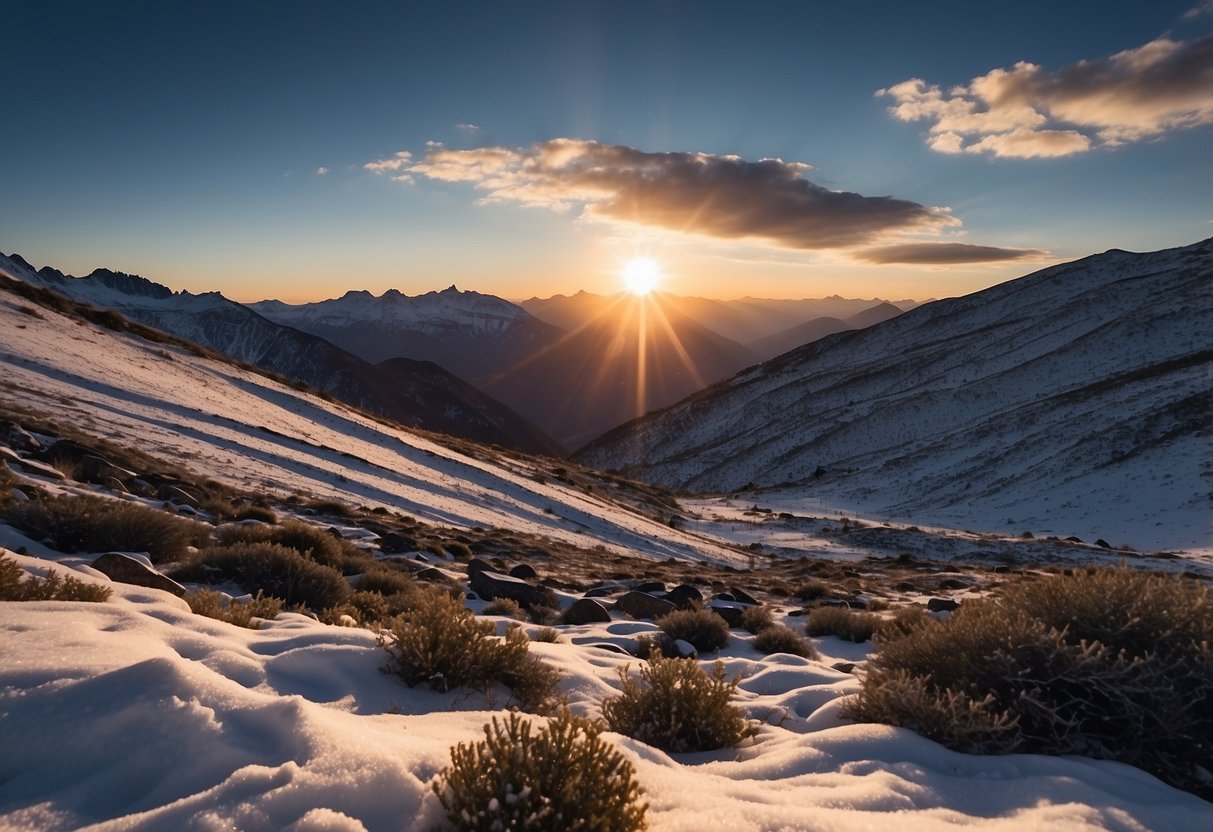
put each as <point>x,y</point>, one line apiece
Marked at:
<point>843,622</point>
<point>560,777</point>
<point>94,524</point>
<point>704,629</point>
<point>756,619</point>
<point>1113,664</point>
<point>507,607</point>
<point>440,643</point>
<point>779,639</point>
<point>312,542</point>
<point>248,614</point>
<point>269,568</point>
<point>677,707</point>
<point>15,585</point>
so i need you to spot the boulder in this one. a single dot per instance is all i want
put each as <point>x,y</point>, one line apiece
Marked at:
<point>177,496</point>
<point>524,571</point>
<point>642,605</point>
<point>600,592</point>
<point>743,597</point>
<point>18,438</point>
<point>942,605</point>
<point>477,565</point>
<point>729,612</point>
<point>491,585</point>
<point>650,587</point>
<point>128,570</point>
<point>40,469</point>
<point>684,596</point>
<point>586,611</point>
<point>395,542</point>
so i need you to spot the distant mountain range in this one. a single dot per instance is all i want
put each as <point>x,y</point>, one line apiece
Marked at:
<point>1086,384</point>
<point>416,393</point>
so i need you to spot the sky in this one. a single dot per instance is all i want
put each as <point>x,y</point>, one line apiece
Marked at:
<point>897,150</point>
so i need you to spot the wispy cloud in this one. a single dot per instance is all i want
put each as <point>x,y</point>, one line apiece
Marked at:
<point>944,254</point>
<point>1026,112</point>
<point>467,128</point>
<point>724,197</point>
<point>321,171</point>
<point>1205,7</point>
<point>397,164</point>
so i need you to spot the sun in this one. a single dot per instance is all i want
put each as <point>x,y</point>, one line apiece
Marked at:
<point>641,275</point>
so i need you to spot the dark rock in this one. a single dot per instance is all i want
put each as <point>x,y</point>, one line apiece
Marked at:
<point>1001,570</point>
<point>141,487</point>
<point>727,597</point>
<point>114,484</point>
<point>1073,539</point>
<point>18,438</point>
<point>477,565</point>
<point>942,605</point>
<point>1103,544</point>
<point>650,587</point>
<point>684,596</point>
<point>491,585</point>
<point>335,532</point>
<point>797,613</point>
<point>395,542</point>
<point>729,612</point>
<point>524,571</point>
<point>433,575</point>
<point>682,649</point>
<point>40,469</point>
<point>611,648</point>
<point>128,570</point>
<point>843,667</point>
<point>743,596</point>
<point>642,605</point>
<point>98,469</point>
<point>600,592</point>
<point>586,611</point>
<point>177,496</point>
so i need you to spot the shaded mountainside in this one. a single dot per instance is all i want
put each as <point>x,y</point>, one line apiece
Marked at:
<point>809,331</point>
<point>1075,393</point>
<point>635,355</point>
<point>468,333</point>
<point>413,393</point>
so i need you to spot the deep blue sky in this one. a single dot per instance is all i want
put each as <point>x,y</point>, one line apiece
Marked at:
<point>184,142</point>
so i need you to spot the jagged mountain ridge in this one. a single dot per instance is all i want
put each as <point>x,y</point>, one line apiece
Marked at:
<point>466,332</point>
<point>1050,398</point>
<point>414,393</point>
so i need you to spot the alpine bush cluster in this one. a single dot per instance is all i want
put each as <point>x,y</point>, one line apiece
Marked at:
<point>562,776</point>
<point>703,629</point>
<point>677,707</point>
<point>1112,664</point>
<point>248,614</point>
<point>271,569</point>
<point>843,622</point>
<point>442,644</point>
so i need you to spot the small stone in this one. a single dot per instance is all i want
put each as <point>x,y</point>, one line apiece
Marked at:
<point>942,605</point>
<point>128,570</point>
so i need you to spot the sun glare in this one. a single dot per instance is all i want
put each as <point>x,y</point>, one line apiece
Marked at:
<point>641,275</point>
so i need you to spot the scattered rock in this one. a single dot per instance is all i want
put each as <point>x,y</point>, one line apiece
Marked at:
<point>843,667</point>
<point>395,543</point>
<point>524,571</point>
<point>477,565</point>
<point>586,611</point>
<point>611,648</point>
<point>7,454</point>
<point>729,612</point>
<point>128,570</point>
<point>491,585</point>
<point>742,596</point>
<point>1073,539</point>
<point>434,575</point>
<point>599,592</point>
<point>40,469</point>
<point>684,649</point>
<point>642,605</point>
<point>942,605</point>
<point>18,438</point>
<point>114,484</point>
<point>684,596</point>
<point>650,587</point>
<point>1103,544</point>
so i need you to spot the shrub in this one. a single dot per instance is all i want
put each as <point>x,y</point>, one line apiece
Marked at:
<point>243,614</point>
<point>704,629</point>
<point>905,620</point>
<point>756,619</point>
<point>550,635</point>
<point>95,524</point>
<point>15,585</point>
<point>440,643</point>
<point>386,581</point>
<point>544,614</point>
<point>503,606</point>
<point>313,542</point>
<point>270,569</point>
<point>679,708</point>
<point>1112,664</point>
<point>560,777</point>
<point>810,591</point>
<point>255,512</point>
<point>780,639</point>
<point>843,622</point>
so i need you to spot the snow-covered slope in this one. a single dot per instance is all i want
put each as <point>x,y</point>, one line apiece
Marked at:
<point>414,393</point>
<point>1075,400</point>
<point>468,333</point>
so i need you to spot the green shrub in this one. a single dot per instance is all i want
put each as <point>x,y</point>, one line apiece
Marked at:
<point>440,643</point>
<point>678,708</point>
<point>843,622</point>
<point>705,630</point>
<point>560,777</point>
<point>756,619</point>
<point>270,569</point>
<point>243,614</point>
<point>15,585</point>
<point>1113,664</point>
<point>780,639</point>
<point>95,524</point>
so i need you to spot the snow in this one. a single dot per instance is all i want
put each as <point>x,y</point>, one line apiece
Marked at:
<point>178,722</point>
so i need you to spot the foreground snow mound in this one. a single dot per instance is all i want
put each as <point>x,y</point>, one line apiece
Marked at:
<point>135,714</point>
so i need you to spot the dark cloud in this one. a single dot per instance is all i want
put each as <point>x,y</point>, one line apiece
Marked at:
<point>944,254</point>
<point>697,193</point>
